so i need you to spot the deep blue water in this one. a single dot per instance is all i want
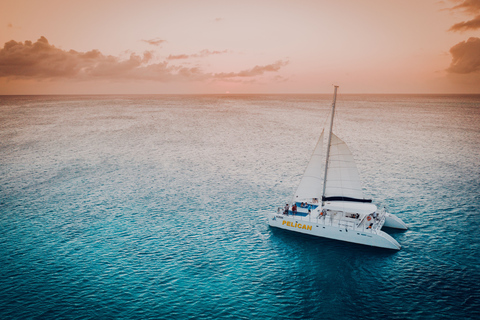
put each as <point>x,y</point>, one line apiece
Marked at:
<point>154,207</point>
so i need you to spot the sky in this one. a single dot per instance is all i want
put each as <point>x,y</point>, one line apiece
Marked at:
<point>246,46</point>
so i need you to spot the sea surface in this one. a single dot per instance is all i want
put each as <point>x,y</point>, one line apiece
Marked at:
<point>154,207</point>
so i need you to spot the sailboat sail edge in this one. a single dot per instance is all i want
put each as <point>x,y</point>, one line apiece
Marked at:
<point>343,180</point>
<point>310,186</point>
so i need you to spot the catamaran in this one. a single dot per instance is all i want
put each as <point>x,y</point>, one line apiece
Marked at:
<point>330,203</point>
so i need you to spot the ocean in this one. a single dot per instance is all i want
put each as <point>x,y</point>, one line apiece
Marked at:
<point>154,207</point>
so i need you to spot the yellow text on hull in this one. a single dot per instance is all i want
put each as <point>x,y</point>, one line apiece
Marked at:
<point>297,225</point>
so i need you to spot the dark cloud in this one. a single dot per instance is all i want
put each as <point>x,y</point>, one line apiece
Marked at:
<point>155,42</point>
<point>201,54</point>
<point>41,60</point>
<point>44,61</point>
<point>470,7</point>
<point>465,66</point>
<point>473,24</point>
<point>465,57</point>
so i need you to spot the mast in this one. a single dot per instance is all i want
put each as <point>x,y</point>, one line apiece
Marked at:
<point>328,145</point>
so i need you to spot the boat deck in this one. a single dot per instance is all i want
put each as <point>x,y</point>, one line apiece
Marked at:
<point>339,219</point>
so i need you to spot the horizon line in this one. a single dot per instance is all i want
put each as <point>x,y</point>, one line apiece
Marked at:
<point>225,94</point>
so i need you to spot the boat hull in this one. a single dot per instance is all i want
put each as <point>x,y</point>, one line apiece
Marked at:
<point>374,238</point>
<point>392,221</point>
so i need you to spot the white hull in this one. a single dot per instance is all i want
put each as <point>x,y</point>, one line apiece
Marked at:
<point>343,230</point>
<point>392,221</point>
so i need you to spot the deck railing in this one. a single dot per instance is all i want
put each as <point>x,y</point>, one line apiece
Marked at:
<point>338,218</point>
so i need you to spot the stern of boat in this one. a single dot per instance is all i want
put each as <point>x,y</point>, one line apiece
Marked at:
<point>392,221</point>
<point>384,240</point>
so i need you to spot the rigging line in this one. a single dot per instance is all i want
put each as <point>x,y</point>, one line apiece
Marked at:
<point>326,117</point>
<point>339,121</point>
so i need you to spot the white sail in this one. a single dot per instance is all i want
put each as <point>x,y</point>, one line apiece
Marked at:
<point>311,184</point>
<point>342,179</point>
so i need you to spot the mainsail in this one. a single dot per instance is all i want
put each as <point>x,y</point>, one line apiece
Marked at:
<point>342,180</point>
<point>311,184</point>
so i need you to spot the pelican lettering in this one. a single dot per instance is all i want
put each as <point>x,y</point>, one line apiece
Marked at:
<point>297,225</point>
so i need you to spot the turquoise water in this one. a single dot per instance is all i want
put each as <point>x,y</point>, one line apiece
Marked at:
<point>154,207</point>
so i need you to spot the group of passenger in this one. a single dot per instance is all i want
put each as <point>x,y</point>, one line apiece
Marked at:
<point>294,209</point>
<point>302,205</point>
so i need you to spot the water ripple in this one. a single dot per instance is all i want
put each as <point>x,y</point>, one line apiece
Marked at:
<point>154,207</point>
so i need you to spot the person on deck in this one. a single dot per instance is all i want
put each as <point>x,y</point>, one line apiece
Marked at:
<point>286,209</point>
<point>294,209</point>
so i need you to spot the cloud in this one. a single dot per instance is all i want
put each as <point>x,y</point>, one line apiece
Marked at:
<point>41,60</point>
<point>205,52</point>
<point>155,41</point>
<point>465,57</point>
<point>218,19</point>
<point>473,24</point>
<point>255,71</point>
<point>201,54</point>
<point>470,7</point>
<point>10,25</point>
<point>178,57</point>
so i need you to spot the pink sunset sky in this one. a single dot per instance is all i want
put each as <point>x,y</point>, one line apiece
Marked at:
<point>261,46</point>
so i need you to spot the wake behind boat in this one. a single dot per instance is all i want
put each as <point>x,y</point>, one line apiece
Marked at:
<point>330,203</point>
